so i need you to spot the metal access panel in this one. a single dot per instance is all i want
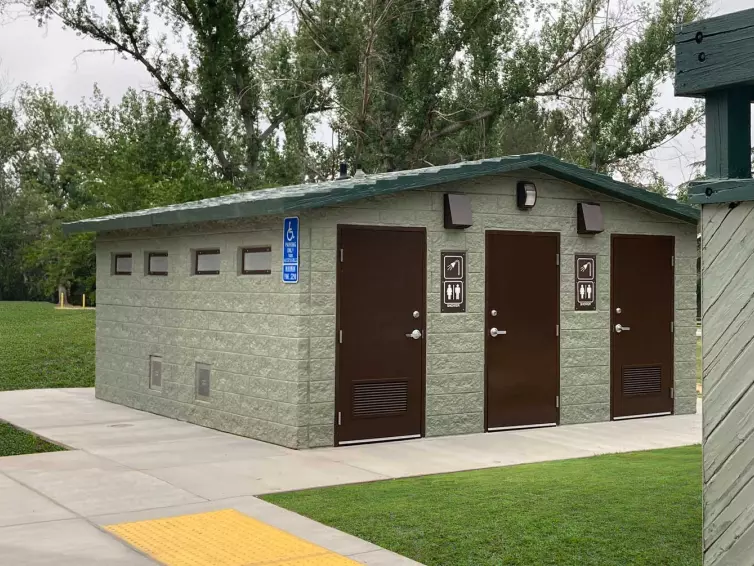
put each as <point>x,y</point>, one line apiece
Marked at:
<point>155,372</point>
<point>202,382</point>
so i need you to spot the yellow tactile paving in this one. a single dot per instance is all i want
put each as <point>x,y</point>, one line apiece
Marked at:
<point>223,538</point>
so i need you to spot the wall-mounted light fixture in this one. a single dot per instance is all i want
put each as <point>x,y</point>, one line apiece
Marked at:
<point>526,195</point>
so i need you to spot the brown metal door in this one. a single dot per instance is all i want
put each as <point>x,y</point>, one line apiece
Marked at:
<point>522,316</point>
<point>641,306</point>
<point>380,365</point>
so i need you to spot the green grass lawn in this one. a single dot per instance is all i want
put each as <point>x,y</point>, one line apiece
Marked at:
<point>44,347</point>
<point>14,441</point>
<point>625,509</point>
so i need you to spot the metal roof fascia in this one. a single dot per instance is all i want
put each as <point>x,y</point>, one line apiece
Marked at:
<point>356,189</point>
<point>621,191</point>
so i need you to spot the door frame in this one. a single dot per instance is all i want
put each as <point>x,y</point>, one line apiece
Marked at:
<point>423,327</point>
<point>613,237</point>
<point>484,318</point>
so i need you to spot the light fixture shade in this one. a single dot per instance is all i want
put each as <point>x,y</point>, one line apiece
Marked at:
<point>456,211</point>
<point>589,218</point>
<point>526,195</point>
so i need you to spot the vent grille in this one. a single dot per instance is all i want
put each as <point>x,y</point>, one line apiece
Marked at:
<point>642,380</point>
<point>155,372</point>
<point>202,382</point>
<point>380,398</point>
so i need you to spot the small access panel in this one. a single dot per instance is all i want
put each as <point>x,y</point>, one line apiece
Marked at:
<point>642,311</point>
<point>522,345</point>
<point>381,327</point>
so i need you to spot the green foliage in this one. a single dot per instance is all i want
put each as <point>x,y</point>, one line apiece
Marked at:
<point>45,347</point>
<point>242,101</point>
<point>215,82</point>
<point>14,442</point>
<point>80,161</point>
<point>404,82</point>
<point>637,508</point>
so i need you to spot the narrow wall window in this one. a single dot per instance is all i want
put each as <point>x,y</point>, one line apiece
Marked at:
<point>207,262</point>
<point>122,264</point>
<point>157,263</point>
<point>256,261</point>
<point>202,381</point>
<point>155,372</point>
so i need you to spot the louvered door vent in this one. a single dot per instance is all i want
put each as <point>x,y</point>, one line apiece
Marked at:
<point>642,380</point>
<point>380,398</point>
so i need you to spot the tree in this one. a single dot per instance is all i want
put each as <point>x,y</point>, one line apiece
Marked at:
<point>215,84</point>
<point>405,76</point>
<point>13,207</point>
<point>423,82</point>
<point>614,106</point>
<point>87,160</point>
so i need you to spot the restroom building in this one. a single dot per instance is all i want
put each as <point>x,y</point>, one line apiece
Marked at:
<point>482,296</point>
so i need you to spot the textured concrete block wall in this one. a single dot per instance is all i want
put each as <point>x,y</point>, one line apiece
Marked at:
<point>248,328</point>
<point>272,346</point>
<point>455,342</point>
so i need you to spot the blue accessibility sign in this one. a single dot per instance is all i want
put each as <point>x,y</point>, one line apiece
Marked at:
<point>290,249</point>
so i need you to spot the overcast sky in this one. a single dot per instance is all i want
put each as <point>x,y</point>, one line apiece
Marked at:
<point>52,57</point>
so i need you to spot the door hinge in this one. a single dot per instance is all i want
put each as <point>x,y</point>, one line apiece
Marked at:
<point>341,255</point>
<point>672,392</point>
<point>672,327</point>
<point>557,259</point>
<point>672,261</point>
<point>340,336</point>
<point>557,330</point>
<point>557,401</point>
<point>338,418</point>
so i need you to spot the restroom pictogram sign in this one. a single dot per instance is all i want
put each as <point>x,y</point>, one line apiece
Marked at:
<point>453,277</point>
<point>586,282</point>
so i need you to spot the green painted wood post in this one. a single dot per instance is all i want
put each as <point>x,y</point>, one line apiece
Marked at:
<point>728,129</point>
<point>713,60</point>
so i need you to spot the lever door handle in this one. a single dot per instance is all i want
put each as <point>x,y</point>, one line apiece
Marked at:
<point>619,328</point>
<point>416,334</point>
<point>494,332</point>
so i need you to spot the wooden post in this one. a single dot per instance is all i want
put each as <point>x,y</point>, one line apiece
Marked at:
<point>728,125</point>
<point>83,301</point>
<point>713,60</point>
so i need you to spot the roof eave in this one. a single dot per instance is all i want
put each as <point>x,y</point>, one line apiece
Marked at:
<point>370,187</point>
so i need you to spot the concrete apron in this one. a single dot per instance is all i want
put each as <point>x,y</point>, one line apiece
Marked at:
<point>127,465</point>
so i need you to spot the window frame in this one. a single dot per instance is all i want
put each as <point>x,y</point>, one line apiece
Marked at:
<point>197,253</point>
<point>122,255</point>
<point>255,249</point>
<point>150,255</point>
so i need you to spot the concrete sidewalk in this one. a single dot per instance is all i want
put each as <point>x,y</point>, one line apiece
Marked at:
<point>128,465</point>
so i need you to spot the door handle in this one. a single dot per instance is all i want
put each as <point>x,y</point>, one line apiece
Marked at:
<point>494,332</point>
<point>416,334</point>
<point>619,328</point>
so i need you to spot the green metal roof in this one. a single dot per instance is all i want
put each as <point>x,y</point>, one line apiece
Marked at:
<point>283,200</point>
